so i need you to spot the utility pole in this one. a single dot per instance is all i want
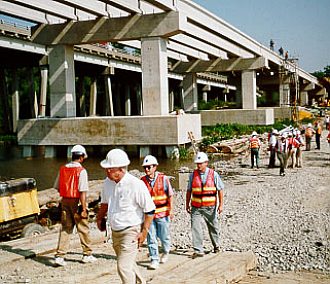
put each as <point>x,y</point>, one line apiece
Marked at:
<point>294,80</point>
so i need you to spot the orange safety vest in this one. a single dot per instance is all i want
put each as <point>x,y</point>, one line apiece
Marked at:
<point>254,143</point>
<point>69,181</point>
<point>203,194</point>
<point>159,196</point>
<point>308,132</point>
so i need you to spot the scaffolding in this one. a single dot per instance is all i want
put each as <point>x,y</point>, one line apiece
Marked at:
<point>289,70</point>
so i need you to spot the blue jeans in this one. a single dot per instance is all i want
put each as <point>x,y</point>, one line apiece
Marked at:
<point>209,215</point>
<point>159,228</point>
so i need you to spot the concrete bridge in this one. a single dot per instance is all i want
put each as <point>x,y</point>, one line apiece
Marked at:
<point>179,53</point>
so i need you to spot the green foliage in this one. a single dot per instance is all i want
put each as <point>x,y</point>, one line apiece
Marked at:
<point>322,74</point>
<point>8,139</point>
<point>184,153</point>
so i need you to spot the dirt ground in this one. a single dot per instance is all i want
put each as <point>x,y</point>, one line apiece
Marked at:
<point>40,268</point>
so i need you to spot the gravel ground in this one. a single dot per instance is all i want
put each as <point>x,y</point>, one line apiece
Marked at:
<point>283,220</point>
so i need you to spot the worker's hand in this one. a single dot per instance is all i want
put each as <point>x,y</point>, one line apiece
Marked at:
<point>220,209</point>
<point>101,224</point>
<point>84,214</point>
<point>142,236</point>
<point>188,208</point>
<point>171,216</point>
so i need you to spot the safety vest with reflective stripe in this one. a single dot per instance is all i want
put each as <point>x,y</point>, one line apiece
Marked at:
<point>159,196</point>
<point>203,194</point>
<point>69,181</point>
<point>254,143</point>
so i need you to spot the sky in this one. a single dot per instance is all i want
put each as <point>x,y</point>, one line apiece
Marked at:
<point>301,27</point>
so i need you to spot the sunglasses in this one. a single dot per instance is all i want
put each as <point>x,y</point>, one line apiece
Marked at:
<point>148,167</point>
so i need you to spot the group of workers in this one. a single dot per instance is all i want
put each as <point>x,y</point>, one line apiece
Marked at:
<point>136,209</point>
<point>286,145</point>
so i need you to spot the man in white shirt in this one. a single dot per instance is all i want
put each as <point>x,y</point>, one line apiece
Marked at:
<point>128,205</point>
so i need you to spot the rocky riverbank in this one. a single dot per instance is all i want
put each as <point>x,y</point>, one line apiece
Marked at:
<point>283,220</point>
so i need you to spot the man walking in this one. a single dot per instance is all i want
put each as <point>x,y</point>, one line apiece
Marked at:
<point>162,194</point>
<point>128,205</point>
<point>254,147</point>
<point>204,199</point>
<point>72,183</point>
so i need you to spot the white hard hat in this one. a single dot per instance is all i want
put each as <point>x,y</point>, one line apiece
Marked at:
<point>254,133</point>
<point>149,160</point>
<point>201,157</point>
<point>298,132</point>
<point>116,158</point>
<point>80,150</point>
<point>284,135</point>
<point>275,131</point>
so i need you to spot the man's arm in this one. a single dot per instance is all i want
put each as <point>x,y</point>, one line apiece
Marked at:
<point>101,215</point>
<point>83,203</point>
<point>148,217</point>
<point>188,198</point>
<point>220,196</point>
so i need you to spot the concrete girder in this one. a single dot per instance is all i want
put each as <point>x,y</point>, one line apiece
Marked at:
<point>95,8</point>
<point>178,50</point>
<point>110,29</point>
<point>49,7</point>
<point>165,5</point>
<point>222,65</point>
<point>22,45</point>
<point>215,40</point>
<point>28,14</point>
<point>129,6</point>
<point>201,46</point>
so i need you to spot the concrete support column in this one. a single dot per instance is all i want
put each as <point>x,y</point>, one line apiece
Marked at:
<point>190,94</point>
<point>43,90</point>
<point>68,152</point>
<point>62,81</point>
<point>144,151</point>
<point>50,152</point>
<point>303,98</point>
<point>108,92</point>
<point>93,98</point>
<point>284,95</point>
<point>27,151</point>
<point>154,76</point>
<point>15,103</point>
<point>206,89</point>
<point>128,106</point>
<point>171,101</point>
<point>249,89</point>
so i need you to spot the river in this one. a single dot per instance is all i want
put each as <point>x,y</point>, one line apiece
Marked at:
<point>44,170</point>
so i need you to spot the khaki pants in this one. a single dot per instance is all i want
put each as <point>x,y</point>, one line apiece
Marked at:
<point>69,218</point>
<point>126,248</point>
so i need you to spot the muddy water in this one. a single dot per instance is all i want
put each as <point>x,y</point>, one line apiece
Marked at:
<point>44,170</point>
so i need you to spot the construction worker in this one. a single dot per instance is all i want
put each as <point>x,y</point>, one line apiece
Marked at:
<point>318,133</point>
<point>299,148</point>
<point>309,132</point>
<point>271,147</point>
<point>204,199</point>
<point>281,150</point>
<point>72,183</point>
<point>254,148</point>
<point>161,192</point>
<point>126,201</point>
<point>293,144</point>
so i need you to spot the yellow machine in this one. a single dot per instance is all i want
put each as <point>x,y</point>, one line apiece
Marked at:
<point>19,208</point>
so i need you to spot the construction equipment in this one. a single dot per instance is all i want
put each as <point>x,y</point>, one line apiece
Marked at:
<point>19,208</point>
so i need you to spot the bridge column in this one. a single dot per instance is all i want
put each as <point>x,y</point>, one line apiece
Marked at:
<point>43,90</point>
<point>206,89</point>
<point>284,95</point>
<point>128,106</point>
<point>303,98</point>
<point>154,76</point>
<point>190,94</point>
<point>62,81</point>
<point>108,92</point>
<point>249,89</point>
<point>93,98</point>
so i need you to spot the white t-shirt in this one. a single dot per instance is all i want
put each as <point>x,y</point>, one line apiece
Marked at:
<point>127,201</point>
